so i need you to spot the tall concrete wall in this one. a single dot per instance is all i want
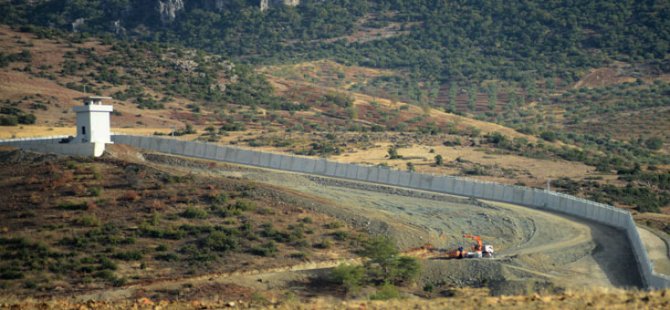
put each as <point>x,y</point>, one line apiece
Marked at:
<point>52,145</point>
<point>529,197</point>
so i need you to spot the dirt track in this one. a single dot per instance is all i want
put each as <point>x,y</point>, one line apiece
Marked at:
<point>531,246</point>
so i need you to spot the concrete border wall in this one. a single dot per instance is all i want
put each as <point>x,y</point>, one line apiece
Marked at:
<point>529,197</point>
<point>52,145</point>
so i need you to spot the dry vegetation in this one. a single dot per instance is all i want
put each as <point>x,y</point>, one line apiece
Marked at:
<point>458,298</point>
<point>351,114</point>
<point>77,225</point>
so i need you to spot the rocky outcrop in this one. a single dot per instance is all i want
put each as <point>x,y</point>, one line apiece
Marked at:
<point>168,9</point>
<point>291,2</point>
<point>265,4</point>
<point>77,24</point>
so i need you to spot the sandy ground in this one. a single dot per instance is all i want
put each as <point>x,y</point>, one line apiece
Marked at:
<point>657,249</point>
<point>530,170</point>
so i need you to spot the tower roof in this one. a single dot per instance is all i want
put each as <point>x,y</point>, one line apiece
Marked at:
<point>93,98</point>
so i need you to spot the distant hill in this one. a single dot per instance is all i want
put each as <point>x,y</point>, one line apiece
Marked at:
<point>461,41</point>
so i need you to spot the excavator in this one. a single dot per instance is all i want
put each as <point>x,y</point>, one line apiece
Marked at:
<point>478,250</point>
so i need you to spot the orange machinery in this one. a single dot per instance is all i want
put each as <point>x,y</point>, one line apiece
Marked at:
<point>428,251</point>
<point>480,246</point>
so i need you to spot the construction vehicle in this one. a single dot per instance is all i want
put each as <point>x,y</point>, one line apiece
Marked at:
<point>478,250</point>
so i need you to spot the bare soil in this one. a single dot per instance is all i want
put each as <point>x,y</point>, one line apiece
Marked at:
<point>531,246</point>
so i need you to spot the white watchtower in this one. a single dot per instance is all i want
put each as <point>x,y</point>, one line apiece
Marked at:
<point>93,120</point>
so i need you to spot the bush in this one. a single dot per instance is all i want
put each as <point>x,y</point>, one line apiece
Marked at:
<point>11,275</point>
<point>340,235</point>
<point>194,213</point>
<point>8,120</point>
<point>88,221</point>
<point>407,269</point>
<point>384,264</point>
<point>349,276</point>
<point>393,153</point>
<point>220,242</point>
<point>333,225</point>
<point>325,244</point>
<point>549,136</point>
<point>130,255</point>
<point>73,206</point>
<point>95,191</point>
<point>243,205</point>
<point>439,160</point>
<point>168,257</point>
<point>386,292</point>
<point>654,143</point>
<point>267,249</point>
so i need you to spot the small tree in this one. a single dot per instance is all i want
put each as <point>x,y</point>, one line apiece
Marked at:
<point>351,277</point>
<point>439,161</point>
<point>410,167</point>
<point>393,153</point>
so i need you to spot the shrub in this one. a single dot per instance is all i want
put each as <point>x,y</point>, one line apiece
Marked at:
<point>106,264</point>
<point>220,198</point>
<point>654,143</point>
<point>549,136</point>
<point>119,281</point>
<point>88,220</point>
<point>73,206</point>
<point>194,213</point>
<point>11,275</point>
<point>299,255</point>
<point>386,292</point>
<point>129,255</point>
<point>325,244</point>
<point>219,241</point>
<point>267,249</point>
<point>407,269</point>
<point>340,235</point>
<point>147,230</point>
<point>333,225</point>
<point>349,276</point>
<point>168,257</point>
<point>95,191</point>
<point>439,160</point>
<point>243,205</point>
<point>8,120</point>
<point>384,264</point>
<point>393,153</point>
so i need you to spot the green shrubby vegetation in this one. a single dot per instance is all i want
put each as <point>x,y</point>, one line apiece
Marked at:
<point>384,267</point>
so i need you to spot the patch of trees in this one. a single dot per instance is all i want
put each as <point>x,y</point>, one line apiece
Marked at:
<point>384,267</point>
<point>462,41</point>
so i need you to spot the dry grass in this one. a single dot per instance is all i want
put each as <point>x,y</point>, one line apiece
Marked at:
<point>532,171</point>
<point>462,299</point>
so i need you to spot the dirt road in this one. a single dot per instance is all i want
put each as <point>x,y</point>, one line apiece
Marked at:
<point>530,244</point>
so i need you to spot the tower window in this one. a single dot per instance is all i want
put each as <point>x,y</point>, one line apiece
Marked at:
<point>83,130</point>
